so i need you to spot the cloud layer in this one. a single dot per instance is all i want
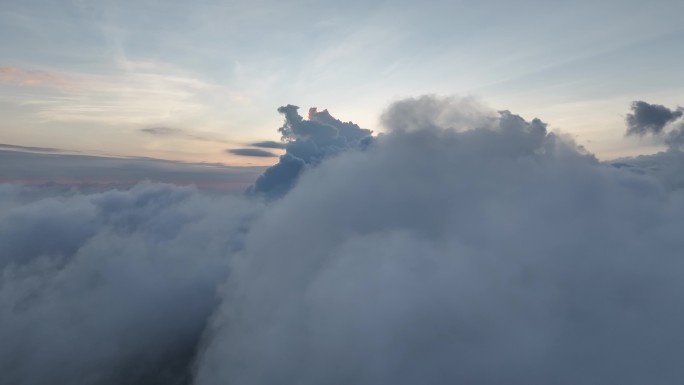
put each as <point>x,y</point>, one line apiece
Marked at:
<point>463,246</point>
<point>38,165</point>
<point>112,287</point>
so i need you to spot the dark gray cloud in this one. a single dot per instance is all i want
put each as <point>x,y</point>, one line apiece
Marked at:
<point>478,249</point>
<point>29,148</point>
<point>653,119</point>
<point>251,152</point>
<point>269,144</point>
<point>308,142</point>
<point>648,118</point>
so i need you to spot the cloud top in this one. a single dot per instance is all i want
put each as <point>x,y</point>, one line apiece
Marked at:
<point>307,143</point>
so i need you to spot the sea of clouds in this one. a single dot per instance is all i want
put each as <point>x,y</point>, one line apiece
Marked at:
<point>462,246</point>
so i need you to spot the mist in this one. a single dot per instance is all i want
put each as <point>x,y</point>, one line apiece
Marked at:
<point>463,245</point>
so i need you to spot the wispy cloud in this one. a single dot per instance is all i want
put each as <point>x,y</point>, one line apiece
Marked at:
<point>34,165</point>
<point>251,152</point>
<point>15,147</point>
<point>269,144</point>
<point>134,93</point>
<point>33,78</point>
<point>162,131</point>
<point>174,132</point>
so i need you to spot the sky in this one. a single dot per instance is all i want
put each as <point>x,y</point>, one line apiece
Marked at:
<point>359,192</point>
<point>201,81</point>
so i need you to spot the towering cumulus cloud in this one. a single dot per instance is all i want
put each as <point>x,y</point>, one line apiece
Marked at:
<point>495,254</point>
<point>308,142</point>
<point>464,246</point>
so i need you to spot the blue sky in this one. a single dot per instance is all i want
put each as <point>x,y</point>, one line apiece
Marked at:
<point>94,76</point>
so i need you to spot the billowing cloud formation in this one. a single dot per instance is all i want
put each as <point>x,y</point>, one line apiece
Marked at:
<point>113,287</point>
<point>648,118</point>
<point>251,152</point>
<point>667,167</point>
<point>675,138</point>
<point>488,252</point>
<point>308,142</point>
<point>490,255</point>
<point>429,111</point>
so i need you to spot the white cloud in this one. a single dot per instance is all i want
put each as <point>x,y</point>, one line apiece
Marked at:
<point>493,255</point>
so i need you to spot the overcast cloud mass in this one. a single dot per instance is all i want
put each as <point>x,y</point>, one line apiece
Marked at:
<point>465,246</point>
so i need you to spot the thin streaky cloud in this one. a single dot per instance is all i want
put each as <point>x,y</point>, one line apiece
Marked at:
<point>174,132</point>
<point>251,152</point>
<point>32,77</point>
<point>15,147</point>
<point>161,131</point>
<point>269,144</point>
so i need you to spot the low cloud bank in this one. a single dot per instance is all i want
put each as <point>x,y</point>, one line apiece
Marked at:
<point>464,246</point>
<point>29,167</point>
<point>113,287</point>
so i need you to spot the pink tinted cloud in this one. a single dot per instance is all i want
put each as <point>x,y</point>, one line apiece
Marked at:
<point>33,78</point>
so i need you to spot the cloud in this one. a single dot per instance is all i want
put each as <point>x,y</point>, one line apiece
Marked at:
<point>112,287</point>
<point>480,248</point>
<point>658,121</point>
<point>69,169</point>
<point>485,254</point>
<point>130,94</point>
<point>33,78</point>
<point>430,111</point>
<point>648,118</point>
<point>269,144</point>
<point>308,142</point>
<point>29,148</point>
<point>162,131</point>
<point>675,138</point>
<point>251,152</point>
<point>667,167</point>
